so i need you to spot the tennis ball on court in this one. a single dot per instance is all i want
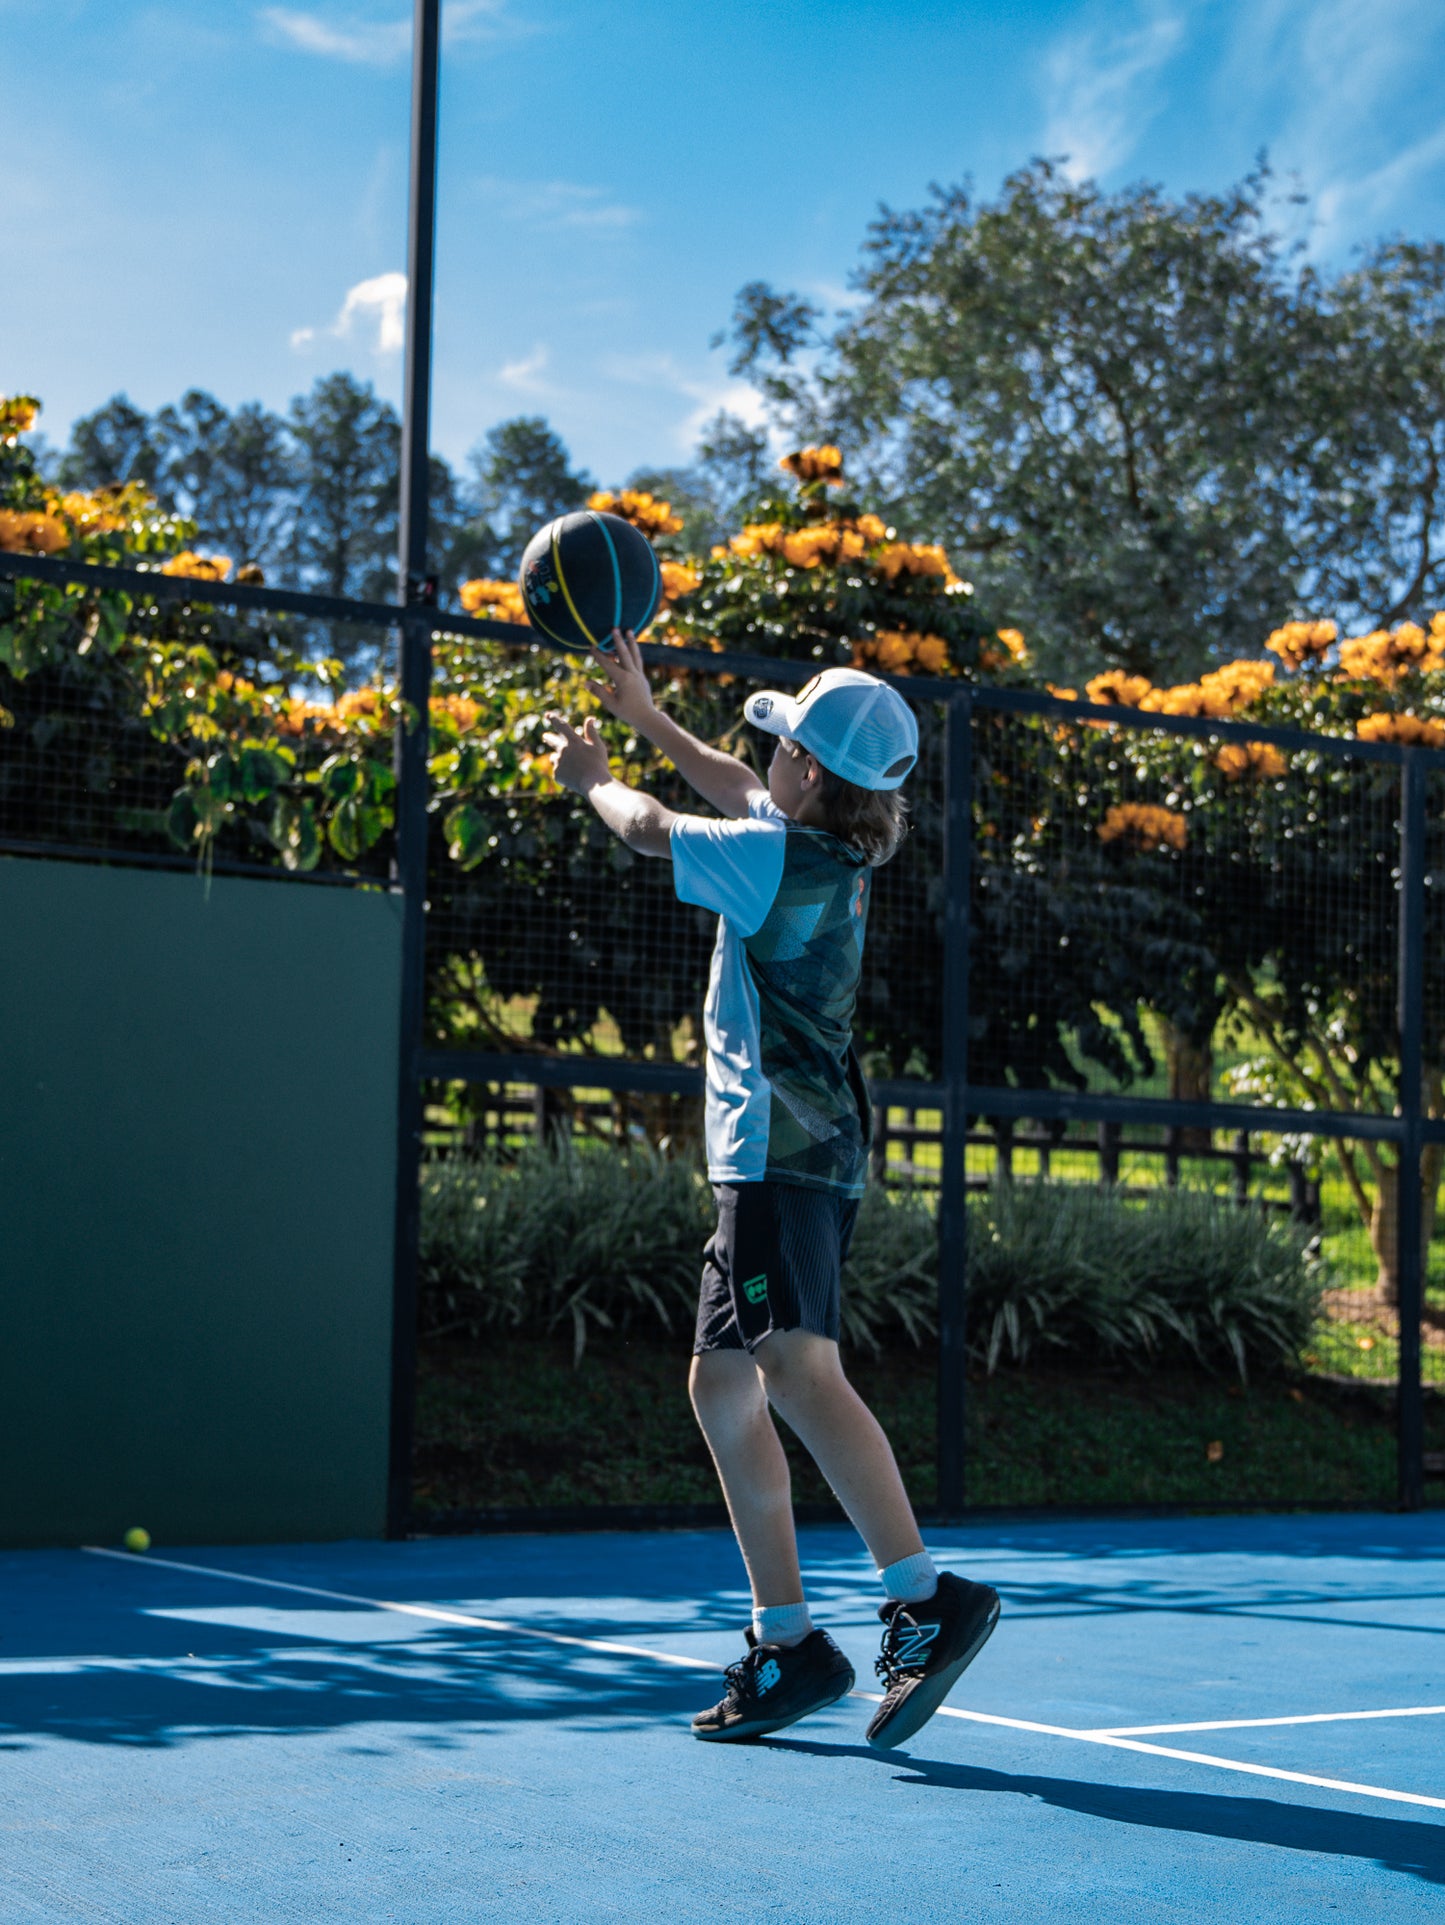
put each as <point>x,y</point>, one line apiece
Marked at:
<point>136,1539</point>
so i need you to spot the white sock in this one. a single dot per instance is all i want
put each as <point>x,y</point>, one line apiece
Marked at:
<point>785,1624</point>
<point>912,1580</point>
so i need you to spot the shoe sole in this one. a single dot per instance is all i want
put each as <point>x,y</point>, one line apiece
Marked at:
<point>929,1693</point>
<point>760,1727</point>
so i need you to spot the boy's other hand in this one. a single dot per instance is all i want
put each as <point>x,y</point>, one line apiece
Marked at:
<point>579,759</point>
<point>625,693</point>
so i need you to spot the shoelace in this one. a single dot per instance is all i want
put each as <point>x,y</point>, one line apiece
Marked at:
<point>886,1664</point>
<point>741,1678</point>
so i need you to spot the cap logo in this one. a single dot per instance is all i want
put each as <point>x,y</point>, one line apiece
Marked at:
<point>762,707</point>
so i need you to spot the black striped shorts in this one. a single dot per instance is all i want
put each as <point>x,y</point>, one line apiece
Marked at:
<point>773,1263</point>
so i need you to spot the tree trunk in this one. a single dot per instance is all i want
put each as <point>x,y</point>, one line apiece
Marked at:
<point>1191,1077</point>
<point>1385,1233</point>
<point>1385,1219</point>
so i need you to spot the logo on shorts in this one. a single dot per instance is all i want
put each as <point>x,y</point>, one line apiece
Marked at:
<point>756,1288</point>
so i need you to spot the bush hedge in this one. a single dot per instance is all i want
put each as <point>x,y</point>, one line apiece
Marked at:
<point>580,1239</point>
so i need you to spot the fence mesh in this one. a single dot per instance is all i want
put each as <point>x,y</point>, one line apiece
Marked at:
<point>158,730</point>
<point>1154,915</point>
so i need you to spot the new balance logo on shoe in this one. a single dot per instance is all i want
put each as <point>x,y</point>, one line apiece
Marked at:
<point>915,1645</point>
<point>768,1676</point>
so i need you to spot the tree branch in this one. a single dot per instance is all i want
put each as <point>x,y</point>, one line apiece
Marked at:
<point>1427,519</point>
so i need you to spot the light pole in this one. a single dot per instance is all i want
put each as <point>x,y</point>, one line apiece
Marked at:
<point>416,592</point>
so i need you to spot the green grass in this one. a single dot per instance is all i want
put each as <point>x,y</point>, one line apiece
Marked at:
<point>512,1423</point>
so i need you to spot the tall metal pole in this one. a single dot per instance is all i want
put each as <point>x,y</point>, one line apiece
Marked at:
<point>1410,1246</point>
<point>416,593</point>
<point>952,1195</point>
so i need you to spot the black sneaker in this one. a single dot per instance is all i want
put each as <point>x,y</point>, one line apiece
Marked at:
<point>926,1649</point>
<point>775,1685</point>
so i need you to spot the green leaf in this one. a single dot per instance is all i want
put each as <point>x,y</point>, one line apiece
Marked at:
<point>468,837</point>
<point>355,826</point>
<point>295,833</point>
<point>261,773</point>
<point>342,777</point>
<point>181,820</point>
<point>221,776</point>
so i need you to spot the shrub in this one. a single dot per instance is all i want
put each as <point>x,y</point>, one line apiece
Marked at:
<point>1183,1275</point>
<point>594,1238</point>
<point>561,1237</point>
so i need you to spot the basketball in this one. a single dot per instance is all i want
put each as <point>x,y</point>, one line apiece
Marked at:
<point>587,573</point>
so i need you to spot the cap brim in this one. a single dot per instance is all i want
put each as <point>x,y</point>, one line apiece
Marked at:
<point>770,710</point>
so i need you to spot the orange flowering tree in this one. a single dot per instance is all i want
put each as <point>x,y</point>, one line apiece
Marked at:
<point>811,575</point>
<point>1276,872</point>
<point>1117,871</point>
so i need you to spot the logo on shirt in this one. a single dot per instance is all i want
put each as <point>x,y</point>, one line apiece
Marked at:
<point>756,1288</point>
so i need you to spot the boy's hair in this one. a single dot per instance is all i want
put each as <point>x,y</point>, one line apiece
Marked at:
<point>872,821</point>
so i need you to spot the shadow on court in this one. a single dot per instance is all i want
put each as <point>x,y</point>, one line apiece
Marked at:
<point>1395,1844</point>
<point>456,1689</point>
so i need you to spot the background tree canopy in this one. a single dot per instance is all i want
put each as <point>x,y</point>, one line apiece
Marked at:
<point>1147,430</point>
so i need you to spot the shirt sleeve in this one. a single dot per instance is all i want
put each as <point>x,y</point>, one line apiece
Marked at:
<point>733,866</point>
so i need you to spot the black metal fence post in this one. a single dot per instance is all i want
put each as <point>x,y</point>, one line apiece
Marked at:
<point>1410,1249</point>
<point>416,594</point>
<point>953,1193</point>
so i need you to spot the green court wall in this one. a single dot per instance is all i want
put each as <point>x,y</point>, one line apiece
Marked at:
<point>197,1162</point>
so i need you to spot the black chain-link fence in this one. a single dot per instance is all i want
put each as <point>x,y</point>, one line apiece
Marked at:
<point>1194,955</point>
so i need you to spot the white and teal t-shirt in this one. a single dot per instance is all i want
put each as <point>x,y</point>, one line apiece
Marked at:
<point>786,1100</point>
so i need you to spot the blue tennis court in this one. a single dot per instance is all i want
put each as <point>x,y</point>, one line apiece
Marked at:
<point>1179,1719</point>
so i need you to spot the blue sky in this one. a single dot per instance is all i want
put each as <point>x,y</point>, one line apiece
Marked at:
<point>213,193</point>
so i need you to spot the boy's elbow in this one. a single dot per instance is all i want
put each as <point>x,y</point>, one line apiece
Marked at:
<point>649,833</point>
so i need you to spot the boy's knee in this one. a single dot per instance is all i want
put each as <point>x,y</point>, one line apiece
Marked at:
<point>797,1363</point>
<point>723,1384</point>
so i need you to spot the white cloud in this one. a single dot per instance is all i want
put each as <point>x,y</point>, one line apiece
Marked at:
<point>370,43</point>
<point>1101,92</point>
<point>1348,76</point>
<point>383,43</point>
<point>527,376</point>
<point>557,203</point>
<point>660,370</point>
<point>382,300</point>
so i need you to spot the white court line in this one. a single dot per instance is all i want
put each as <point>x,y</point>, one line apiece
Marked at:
<point>428,1611</point>
<point>1113,1740</point>
<point>1253,1724</point>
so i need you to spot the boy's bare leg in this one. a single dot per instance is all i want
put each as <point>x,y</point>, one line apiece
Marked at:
<point>731,1407</point>
<point>806,1385</point>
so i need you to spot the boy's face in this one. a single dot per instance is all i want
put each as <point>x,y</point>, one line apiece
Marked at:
<point>793,776</point>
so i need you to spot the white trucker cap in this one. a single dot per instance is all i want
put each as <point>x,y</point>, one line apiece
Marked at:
<point>855,725</point>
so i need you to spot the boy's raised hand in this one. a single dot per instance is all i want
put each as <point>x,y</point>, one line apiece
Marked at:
<point>625,693</point>
<point>580,758</point>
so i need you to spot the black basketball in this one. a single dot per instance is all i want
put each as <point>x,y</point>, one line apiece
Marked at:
<point>585,574</point>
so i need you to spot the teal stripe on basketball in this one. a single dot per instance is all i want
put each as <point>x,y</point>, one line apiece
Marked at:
<point>656,589</point>
<point>616,571</point>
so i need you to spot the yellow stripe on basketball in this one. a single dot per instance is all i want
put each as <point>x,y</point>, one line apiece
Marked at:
<point>567,592</point>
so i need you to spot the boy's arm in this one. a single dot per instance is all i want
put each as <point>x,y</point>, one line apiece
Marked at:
<point>719,779</point>
<point>581,765</point>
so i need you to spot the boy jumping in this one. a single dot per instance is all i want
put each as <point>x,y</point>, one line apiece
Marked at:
<point>788,1124</point>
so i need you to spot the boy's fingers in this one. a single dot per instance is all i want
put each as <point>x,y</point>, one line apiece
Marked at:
<point>590,732</point>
